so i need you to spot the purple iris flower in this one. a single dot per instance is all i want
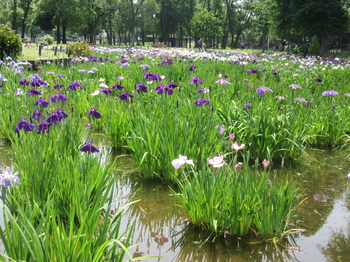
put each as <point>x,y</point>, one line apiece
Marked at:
<point>60,75</point>
<point>222,81</point>
<point>309,103</point>
<point>145,67</point>
<point>173,85</point>
<point>32,91</point>
<point>252,71</point>
<point>301,100</point>
<point>319,80</point>
<point>19,92</point>
<point>294,86</point>
<point>93,112</point>
<point>221,130</point>
<point>24,82</point>
<point>53,118</point>
<point>8,178</point>
<point>58,86</point>
<point>24,124</point>
<point>163,88</point>
<point>74,86</point>
<point>196,80</point>
<point>274,73</point>
<point>262,89</point>
<point>89,124</point>
<point>61,114</point>
<point>41,101</point>
<point>43,126</point>
<point>152,76</point>
<point>203,90</point>
<point>193,67</point>
<point>141,87</point>
<point>330,93</point>
<point>248,106</point>
<point>201,101</point>
<point>126,95</point>
<point>89,148</point>
<point>38,82</point>
<point>106,91</point>
<point>37,114</point>
<point>334,107</point>
<point>117,85</point>
<point>58,97</point>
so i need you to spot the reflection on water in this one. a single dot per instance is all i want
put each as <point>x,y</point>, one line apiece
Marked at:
<point>162,229</point>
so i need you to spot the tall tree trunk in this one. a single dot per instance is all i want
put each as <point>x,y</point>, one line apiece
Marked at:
<point>64,32</point>
<point>92,30</point>
<point>14,16</point>
<point>324,44</point>
<point>132,37</point>
<point>238,34</point>
<point>25,17</point>
<point>58,27</point>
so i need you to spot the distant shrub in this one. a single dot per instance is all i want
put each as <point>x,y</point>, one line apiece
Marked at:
<point>10,43</point>
<point>46,40</point>
<point>79,49</point>
<point>314,47</point>
<point>105,42</point>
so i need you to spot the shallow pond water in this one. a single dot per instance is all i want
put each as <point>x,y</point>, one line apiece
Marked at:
<point>162,229</point>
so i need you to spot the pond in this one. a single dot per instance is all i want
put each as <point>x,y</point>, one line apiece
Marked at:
<point>162,229</point>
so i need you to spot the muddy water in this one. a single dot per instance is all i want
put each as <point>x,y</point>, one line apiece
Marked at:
<point>162,229</point>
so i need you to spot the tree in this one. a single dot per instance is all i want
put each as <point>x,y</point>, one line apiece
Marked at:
<point>312,17</point>
<point>27,7</point>
<point>205,25</point>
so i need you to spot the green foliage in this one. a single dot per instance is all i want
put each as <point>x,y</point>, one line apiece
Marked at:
<point>46,40</point>
<point>205,24</point>
<point>10,43</point>
<point>311,17</point>
<point>79,49</point>
<point>314,47</point>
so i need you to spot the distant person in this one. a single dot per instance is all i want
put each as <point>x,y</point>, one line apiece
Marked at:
<point>242,45</point>
<point>284,43</point>
<point>200,44</point>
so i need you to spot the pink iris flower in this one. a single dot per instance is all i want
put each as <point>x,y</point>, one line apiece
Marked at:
<point>236,147</point>
<point>177,163</point>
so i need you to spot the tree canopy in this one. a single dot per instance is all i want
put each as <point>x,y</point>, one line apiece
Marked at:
<point>222,23</point>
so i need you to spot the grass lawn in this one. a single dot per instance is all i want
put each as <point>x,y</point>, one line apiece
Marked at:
<point>31,52</point>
